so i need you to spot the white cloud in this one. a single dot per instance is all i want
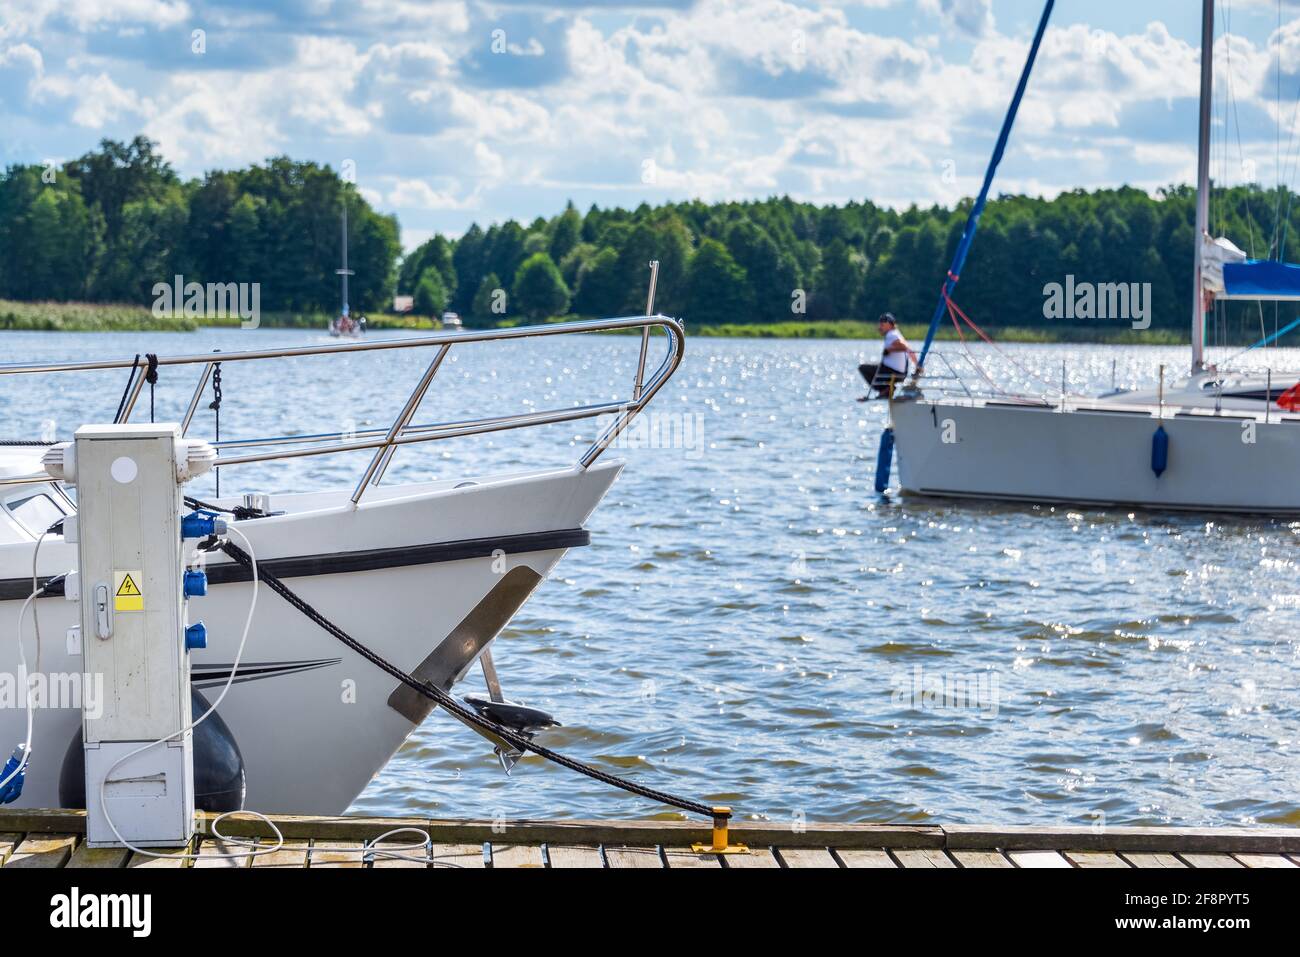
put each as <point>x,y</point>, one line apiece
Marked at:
<point>974,17</point>
<point>100,101</point>
<point>417,194</point>
<point>21,69</point>
<point>724,99</point>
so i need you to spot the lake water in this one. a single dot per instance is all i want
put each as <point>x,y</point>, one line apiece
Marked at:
<point>753,623</point>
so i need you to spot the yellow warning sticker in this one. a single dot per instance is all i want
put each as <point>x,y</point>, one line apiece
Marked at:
<point>127,595</point>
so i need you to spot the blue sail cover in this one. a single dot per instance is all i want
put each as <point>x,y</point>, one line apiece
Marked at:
<point>1261,279</point>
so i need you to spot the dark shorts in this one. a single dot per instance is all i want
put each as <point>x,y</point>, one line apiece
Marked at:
<point>880,377</point>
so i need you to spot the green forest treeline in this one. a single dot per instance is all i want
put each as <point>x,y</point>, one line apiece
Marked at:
<point>107,226</point>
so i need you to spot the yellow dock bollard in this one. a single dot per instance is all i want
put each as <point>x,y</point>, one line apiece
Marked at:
<point>721,837</point>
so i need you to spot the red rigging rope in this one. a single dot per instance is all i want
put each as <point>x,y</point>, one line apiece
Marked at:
<point>973,361</point>
<point>955,310</point>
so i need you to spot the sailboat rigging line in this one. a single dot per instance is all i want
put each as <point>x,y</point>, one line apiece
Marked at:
<point>996,348</point>
<point>1236,119</point>
<point>454,707</point>
<point>973,220</point>
<point>215,406</point>
<point>1287,178</point>
<point>965,348</point>
<point>1277,140</point>
<point>130,379</point>
<point>1278,334</point>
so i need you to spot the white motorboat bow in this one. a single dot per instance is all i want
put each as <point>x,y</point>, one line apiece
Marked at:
<point>429,573</point>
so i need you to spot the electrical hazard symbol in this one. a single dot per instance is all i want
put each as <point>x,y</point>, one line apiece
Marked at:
<point>127,595</point>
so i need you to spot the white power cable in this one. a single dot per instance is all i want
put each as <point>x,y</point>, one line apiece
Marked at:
<point>22,671</point>
<point>36,618</point>
<point>22,666</point>
<point>401,852</point>
<point>254,851</point>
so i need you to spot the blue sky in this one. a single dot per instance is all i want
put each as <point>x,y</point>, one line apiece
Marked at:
<point>453,112</point>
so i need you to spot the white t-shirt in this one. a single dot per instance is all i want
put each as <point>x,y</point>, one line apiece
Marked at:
<point>894,360</point>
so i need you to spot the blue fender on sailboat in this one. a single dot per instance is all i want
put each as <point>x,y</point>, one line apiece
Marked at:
<point>884,460</point>
<point>1160,451</point>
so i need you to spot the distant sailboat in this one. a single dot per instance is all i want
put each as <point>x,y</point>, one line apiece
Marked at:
<point>1212,441</point>
<point>344,324</point>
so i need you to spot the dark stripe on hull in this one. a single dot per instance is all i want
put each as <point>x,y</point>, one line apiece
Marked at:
<point>215,675</point>
<point>1191,507</point>
<point>338,563</point>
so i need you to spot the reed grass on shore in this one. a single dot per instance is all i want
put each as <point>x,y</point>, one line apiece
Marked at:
<point>121,317</point>
<point>858,329</point>
<point>86,317</point>
<point>109,317</point>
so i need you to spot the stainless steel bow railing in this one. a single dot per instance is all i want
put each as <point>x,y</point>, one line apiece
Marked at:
<point>384,442</point>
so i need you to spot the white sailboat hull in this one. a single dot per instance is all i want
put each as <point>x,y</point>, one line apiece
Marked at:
<point>1097,454</point>
<point>413,569</point>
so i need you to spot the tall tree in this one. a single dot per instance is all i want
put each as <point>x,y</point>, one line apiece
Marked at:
<point>566,232</point>
<point>490,300</point>
<point>717,289</point>
<point>600,291</point>
<point>840,280</point>
<point>52,243</point>
<point>539,291</point>
<point>121,173</point>
<point>430,293</point>
<point>772,274</point>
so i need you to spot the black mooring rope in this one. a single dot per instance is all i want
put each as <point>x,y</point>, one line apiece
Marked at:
<point>215,406</point>
<point>121,404</point>
<point>151,376</point>
<point>445,700</point>
<point>240,512</point>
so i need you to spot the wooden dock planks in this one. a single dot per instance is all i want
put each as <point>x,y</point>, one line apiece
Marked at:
<point>633,857</point>
<point>42,851</point>
<point>981,859</point>
<point>566,856</point>
<point>923,858</point>
<point>53,839</point>
<point>865,857</point>
<point>806,857</point>
<point>469,856</point>
<point>293,854</point>
<point>516,855</point>
<point>1047,859</point>
<point>106,857</point>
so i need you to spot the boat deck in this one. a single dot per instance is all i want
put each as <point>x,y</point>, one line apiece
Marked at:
<point>55,838</point>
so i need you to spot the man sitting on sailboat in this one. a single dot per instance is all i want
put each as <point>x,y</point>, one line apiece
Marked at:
<point>893,365</point>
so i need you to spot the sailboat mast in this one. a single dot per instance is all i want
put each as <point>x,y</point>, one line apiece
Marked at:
<point>344,271</point>
<point>977,209</point>
<point>1203,184</point>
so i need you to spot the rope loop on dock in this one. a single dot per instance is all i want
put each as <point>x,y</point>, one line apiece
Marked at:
<point>445,700</point>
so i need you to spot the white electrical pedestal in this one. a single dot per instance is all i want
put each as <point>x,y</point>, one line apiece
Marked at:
<point>133,584</point>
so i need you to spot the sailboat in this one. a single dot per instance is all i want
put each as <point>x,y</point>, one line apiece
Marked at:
<point>343,324</point>
<point>1210,441</point>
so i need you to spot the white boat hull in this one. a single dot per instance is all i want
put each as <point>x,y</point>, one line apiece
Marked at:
<point>412,569</point>
<point>1098,454</point>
